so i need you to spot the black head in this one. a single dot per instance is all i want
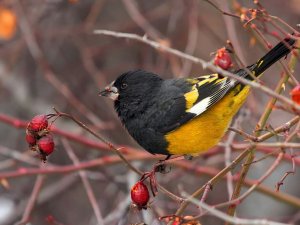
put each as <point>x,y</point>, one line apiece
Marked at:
<point>132,85</point>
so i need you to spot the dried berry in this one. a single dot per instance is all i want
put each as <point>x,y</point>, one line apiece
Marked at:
<point>38,123</point>
<point>30,138</point>
<point>46,145</point>
<point>295,94</point>
<point>140,195</point>
<point>223,59</point>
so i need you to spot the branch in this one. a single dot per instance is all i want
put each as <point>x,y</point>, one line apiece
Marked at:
<point>230,219</point>
<point>18,123</point>
<point>221,11</point>
<point>85,181</point>
<point>110,145</point>
<point>32,200</point>
<point>261,124</point>
<point>140,20</point>
<point>205,64</point>
<point>110,160</point>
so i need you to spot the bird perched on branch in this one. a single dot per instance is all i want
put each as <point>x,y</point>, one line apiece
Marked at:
<point>184,116</point>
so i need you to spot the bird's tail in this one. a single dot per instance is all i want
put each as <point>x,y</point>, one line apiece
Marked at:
<point>280,50</point>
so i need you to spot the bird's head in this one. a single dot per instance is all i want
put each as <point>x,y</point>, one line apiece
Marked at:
<point>132,85</point>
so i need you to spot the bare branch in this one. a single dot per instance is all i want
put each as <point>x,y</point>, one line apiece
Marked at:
<point>204,63</point>
<point>234,220</point>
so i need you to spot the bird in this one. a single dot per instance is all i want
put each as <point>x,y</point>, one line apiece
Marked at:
<point>184,116</point>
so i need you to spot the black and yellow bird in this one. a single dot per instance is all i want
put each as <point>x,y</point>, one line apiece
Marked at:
<point>183,116</point>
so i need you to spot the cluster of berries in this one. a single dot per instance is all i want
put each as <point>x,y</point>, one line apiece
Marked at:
<point>38,137</point>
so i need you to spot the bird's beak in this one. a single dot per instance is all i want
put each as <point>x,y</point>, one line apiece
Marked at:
<point>110,91</point>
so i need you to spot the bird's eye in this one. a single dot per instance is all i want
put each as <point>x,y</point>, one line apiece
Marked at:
<point>124,86</point>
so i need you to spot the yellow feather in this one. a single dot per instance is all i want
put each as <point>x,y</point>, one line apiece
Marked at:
<point>191,97</point>
<point>206,130</point>
<point>192,81</point>
<point>260,62</point>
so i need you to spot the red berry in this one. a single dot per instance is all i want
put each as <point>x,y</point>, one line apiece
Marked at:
<point>140,194</point>
<point>38,123</point>
<point>50,219</point>
<point>223,59</point>
<point>31,140</point>
<point>295,94</point>
<point>46,144</point>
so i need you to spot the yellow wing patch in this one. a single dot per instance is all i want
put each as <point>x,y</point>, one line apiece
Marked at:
<point>192,81</point>
<point>203,79</point>
<point>191,97</point>
<point>260,62</point>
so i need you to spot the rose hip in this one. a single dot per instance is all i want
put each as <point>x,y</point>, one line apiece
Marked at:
<point>38,123</point>
<point>46,144</point>
<point>140,194</point>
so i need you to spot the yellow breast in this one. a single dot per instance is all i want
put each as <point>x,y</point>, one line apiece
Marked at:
<point>206,130</point>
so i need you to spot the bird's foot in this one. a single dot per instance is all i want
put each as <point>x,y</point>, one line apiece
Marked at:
<point>159,167</point>
<point>188,157</point>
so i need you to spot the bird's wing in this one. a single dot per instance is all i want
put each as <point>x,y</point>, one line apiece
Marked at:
<point>204,92</point>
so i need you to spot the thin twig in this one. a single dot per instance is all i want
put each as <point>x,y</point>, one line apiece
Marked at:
<point>216,178</point>
<point>294,145</point>
<point>230,219</point>
<point>32,200</point>
<point>112,147</point>
<point>192,37</point>
<point>285,24</point>
<point>282,128</point>
<point>292,171</point>
<point>85,181</point>
<point>262,122</point>
<point>95,10</point>
<point>244,134</point>
<point>221,11</point>
<point>232,34</point>
<point>294,133</point>
<point>282,197</point>
<point>239,199</point>
<point>140,20</point>
<point>110,160</point>
<point>227,157</point>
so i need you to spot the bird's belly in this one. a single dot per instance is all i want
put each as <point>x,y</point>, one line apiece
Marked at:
<point>206,130</point>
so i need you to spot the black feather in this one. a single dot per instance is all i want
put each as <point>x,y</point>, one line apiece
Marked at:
<point>280,50</point>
